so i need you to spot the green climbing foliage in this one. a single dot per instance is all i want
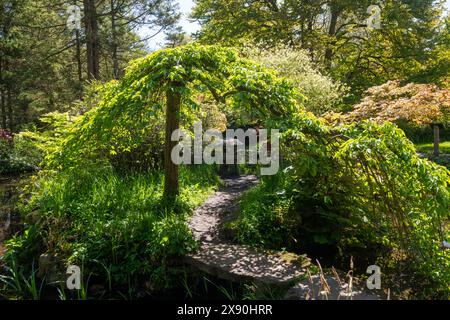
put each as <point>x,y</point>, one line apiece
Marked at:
<point>401,194</point>
<point>357,186</point>
<point>132,108</point>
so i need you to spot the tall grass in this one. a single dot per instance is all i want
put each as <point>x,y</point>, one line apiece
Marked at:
<point>118,226</point>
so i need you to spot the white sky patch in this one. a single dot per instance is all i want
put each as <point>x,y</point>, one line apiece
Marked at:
<point>188,25</point>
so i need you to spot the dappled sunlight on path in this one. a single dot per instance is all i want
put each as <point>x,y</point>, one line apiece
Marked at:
<point>238,263</point>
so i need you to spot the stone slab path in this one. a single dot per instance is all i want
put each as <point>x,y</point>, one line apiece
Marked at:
<point>241,263</point>
<point>225,260</point>
<point>219,209</point>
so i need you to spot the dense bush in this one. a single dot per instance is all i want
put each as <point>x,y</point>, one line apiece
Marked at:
<point>11,160</point>
<point>362,183</point>
<point>423,134</point>
<point>414,107</point>
<point>128,110</point>
<point>420,104</point>
<point>25,151</point>
<point>321,93</point>
<point>6,139</point>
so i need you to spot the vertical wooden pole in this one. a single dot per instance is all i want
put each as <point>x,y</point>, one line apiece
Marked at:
<point>436,140</point>
<point>171,185</point>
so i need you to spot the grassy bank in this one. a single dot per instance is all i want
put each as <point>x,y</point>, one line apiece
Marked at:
<point>116,228</point>
<point>429,147</point>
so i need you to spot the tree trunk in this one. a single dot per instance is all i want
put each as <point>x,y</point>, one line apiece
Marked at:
<point>92,41</point>
<point>171,185</point>
<point>332,33</point>
<point>79,65</point>
<point>114,42</point>
<point>437,140</point>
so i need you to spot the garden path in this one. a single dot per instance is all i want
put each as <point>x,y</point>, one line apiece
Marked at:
<point>219,257</point>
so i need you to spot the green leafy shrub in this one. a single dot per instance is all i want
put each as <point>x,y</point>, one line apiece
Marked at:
<point>6,139</point>
<point>363,182</point>
<point>26,150</point>
<point>9,162</point>
<point>263,221</point>
<point>321,93</point>
<point>130,111</point>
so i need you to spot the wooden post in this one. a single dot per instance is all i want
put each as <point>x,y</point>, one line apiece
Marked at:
<point>436,139</point>
<point>171,185</point>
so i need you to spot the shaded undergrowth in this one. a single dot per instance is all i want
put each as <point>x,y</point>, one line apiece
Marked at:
<point>117,228</point>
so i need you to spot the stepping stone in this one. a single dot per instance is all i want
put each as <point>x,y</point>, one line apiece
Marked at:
<point>235,262</point>
<point>313,289</point>
<point>219,209</point>
<point>241,263</point>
